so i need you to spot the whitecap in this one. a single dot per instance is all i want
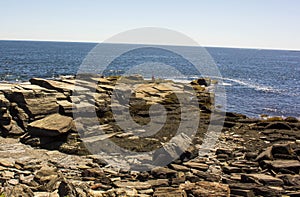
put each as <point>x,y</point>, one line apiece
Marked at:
<point>255,86</point>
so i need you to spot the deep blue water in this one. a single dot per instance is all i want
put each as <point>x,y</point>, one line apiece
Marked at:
<point>256,81</point>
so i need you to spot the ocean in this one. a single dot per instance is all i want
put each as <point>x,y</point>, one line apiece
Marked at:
<point>256,81</point>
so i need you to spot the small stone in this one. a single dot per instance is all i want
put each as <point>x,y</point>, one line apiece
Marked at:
<point>179,167</point>
<point>136,185</point>
<point>162,172</point>
<point>7,162</point>
<point>169,192</point>
<point>146,191</point>
<point>203,188</point>
<point>13,181</point>
<point>158,182</point>
<point>100,186</point>
<point>196,165</point>
<point>7,174</point>
<point>46,174</point>
<point>93,172</point>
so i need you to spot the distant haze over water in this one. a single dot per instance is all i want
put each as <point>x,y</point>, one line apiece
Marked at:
<point>256,81</point>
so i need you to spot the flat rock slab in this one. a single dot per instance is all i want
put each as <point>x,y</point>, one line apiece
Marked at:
<point>262,178</point>
<point>196,165</point>
<point>56,85</point>
<point>169,192</point>
<point>284,163</point>
<point>204,188</point>
<point>52,125</point>
<point>135,185</point>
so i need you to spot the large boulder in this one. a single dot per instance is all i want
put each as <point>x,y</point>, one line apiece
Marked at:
<point>52,125</point>
<point>36,104</point>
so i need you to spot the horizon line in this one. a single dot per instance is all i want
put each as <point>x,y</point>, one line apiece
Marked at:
<point>207,46</point>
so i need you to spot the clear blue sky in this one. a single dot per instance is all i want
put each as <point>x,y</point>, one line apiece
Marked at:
<point>231,23</point>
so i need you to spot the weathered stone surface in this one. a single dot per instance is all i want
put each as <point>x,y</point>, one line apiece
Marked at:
<point>163,172</point>
<point>35,104</point>
<point>242,192</point>
<point>136,185</point>
<point>196,165</point>
<point>7,162</point>
<point>173,149</point>
<point>52,125</point>
<point>266,154</point>
<point>19,190</point>
<point>169,192</point>
<point>292,180</point>
<point>203,188</point>
<point>158,182</point>
<point>53,85</point>
<point>261,178</point>
<point>293,165</point>
<point>254,157</point>
<point>65,107</point>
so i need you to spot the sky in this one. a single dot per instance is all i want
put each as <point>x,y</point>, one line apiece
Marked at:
<point>271,24</point>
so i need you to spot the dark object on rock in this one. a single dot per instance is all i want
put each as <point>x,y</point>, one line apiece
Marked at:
<point>66,189</point>
<point>291,120</point>
<point>278,125</point>
<point>201,81</point>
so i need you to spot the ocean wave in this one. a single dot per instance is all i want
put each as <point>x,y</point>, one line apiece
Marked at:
<point>225,84</point>
<point>255,86</point>
<point>270,109</point>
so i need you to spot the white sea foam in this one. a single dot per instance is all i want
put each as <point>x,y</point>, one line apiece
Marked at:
<point>270,109</point>
<point>251,85</point>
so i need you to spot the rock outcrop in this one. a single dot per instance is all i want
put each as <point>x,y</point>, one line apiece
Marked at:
<point>252,157</point>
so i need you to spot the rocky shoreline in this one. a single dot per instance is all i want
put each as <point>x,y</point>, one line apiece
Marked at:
<point>43,154</point>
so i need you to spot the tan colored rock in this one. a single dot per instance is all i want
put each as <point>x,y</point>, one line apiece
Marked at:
<point>169,192</point>
<point>35,104</point>
<point>3,101</point>
<point>267,154</point>
<point>158,182</point>
<point>284,164</point>
<point>196,165</point>
<point>206,189</point>
<point>163,172</point>
<point>52,125</point>
<point>53,85</point>
<point>135,185</point>
<point>65,107</point>
<point>261,178</point>
<point>7,162</point>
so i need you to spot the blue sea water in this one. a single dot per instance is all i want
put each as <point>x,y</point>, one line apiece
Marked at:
<point>256,81</point>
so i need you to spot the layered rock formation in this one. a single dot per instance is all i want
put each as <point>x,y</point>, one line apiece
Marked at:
<point>251,157</point>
